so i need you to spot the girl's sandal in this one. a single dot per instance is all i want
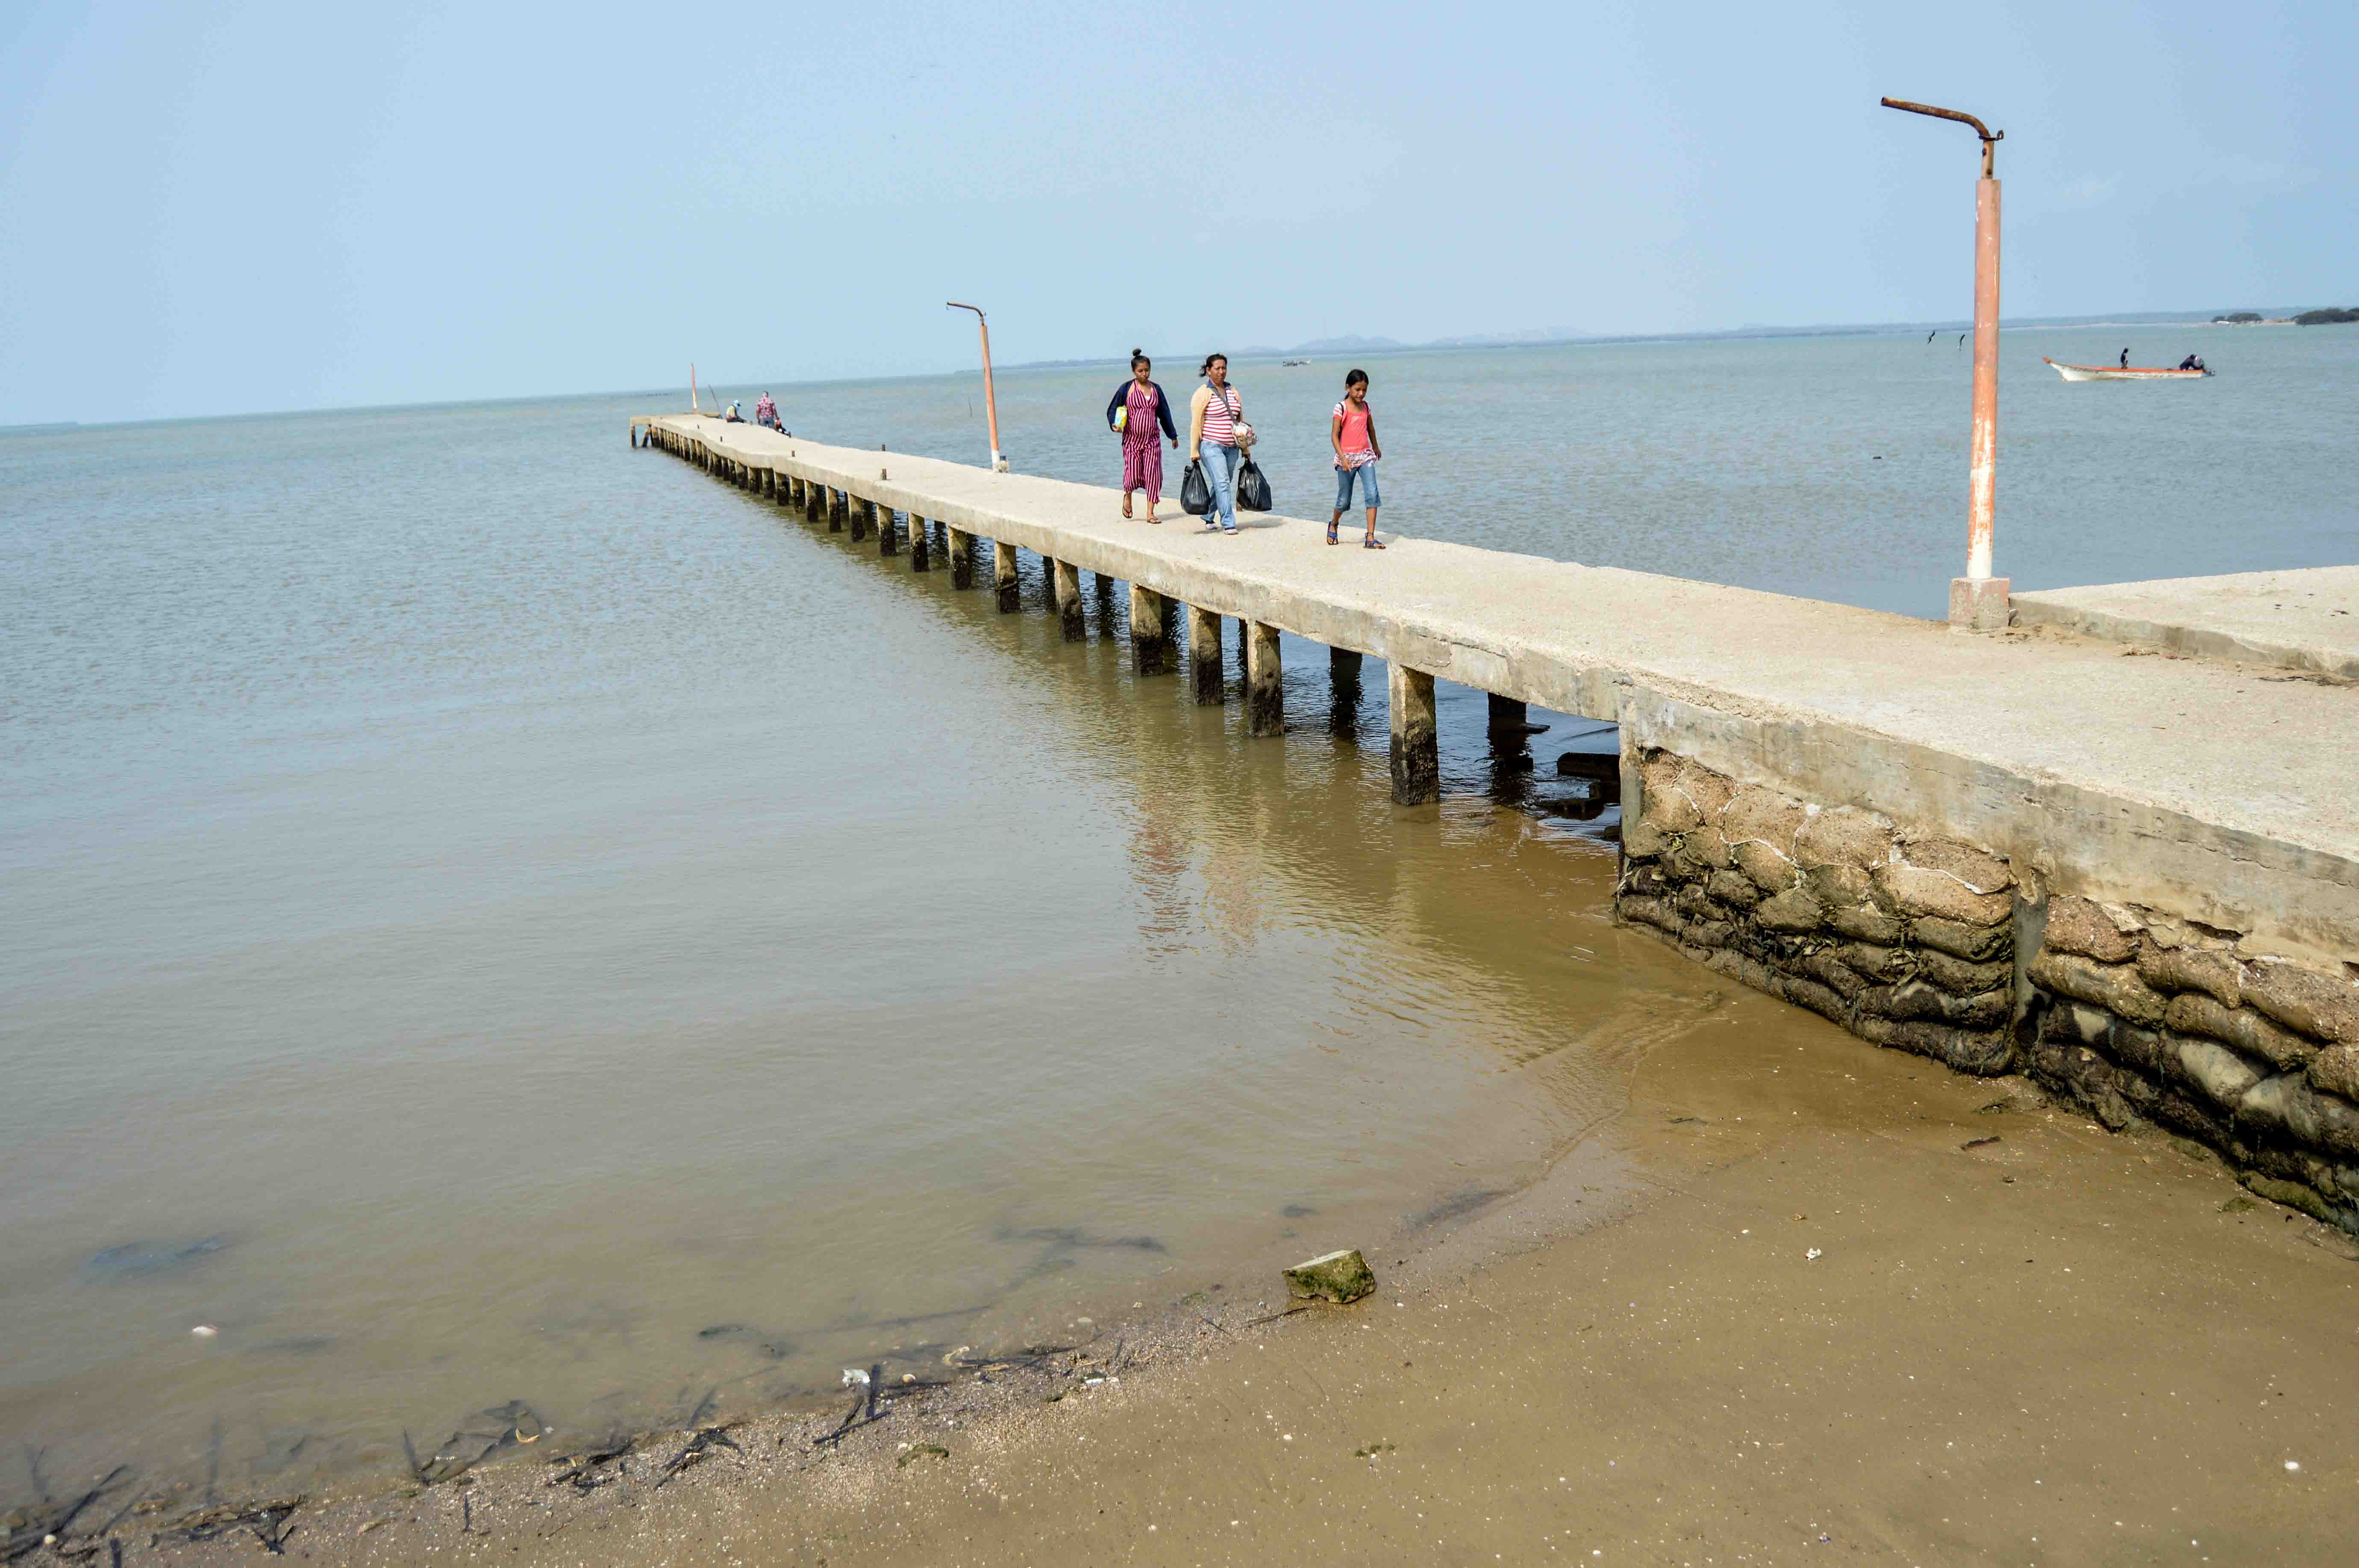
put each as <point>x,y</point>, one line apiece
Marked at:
<point>1126,507</point>
<point>1371,542</point>
<point>1151,517</point>
<point>1330,535</point>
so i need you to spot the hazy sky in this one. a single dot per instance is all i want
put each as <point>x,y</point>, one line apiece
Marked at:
<point>241,206</point>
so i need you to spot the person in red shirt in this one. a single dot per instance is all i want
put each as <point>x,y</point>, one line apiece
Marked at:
<point>1353,433</point>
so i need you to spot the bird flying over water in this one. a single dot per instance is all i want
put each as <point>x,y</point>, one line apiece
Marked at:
<point>1933,334</point>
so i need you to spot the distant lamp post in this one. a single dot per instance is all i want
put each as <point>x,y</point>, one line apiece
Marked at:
<point>989,400</point>
<point>1978,601</point>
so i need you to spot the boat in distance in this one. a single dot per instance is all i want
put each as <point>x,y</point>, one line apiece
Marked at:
<point>2122,372</point>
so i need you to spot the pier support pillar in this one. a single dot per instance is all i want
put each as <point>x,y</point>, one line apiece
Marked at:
<point>1002,575</point>
<point>855,517</point>
<point>961,547</point>
<point>1344,692</point>
<point>1150,651</point>
<point>1264,688</point>
<point>1417,751</point>
<point>1208,677</point>
<point>921,545</point>
<point>1508,717</point>
<point>1068,602</point>
<point>888,541</point>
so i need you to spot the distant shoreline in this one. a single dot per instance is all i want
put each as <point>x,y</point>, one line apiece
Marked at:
<point>1368,348</point>
<point>1321,350</point>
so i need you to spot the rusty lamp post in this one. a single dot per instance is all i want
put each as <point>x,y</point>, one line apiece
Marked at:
<point>990,399</point>
<point>1978,601</point>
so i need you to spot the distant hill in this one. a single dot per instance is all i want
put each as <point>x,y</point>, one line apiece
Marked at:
<point>1509,339</point>
<point>1347,345</point>
<point>2330,316</point>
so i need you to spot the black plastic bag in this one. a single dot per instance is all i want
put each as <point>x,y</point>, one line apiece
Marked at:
<point>1253,488</point>
<point>1195,490</point>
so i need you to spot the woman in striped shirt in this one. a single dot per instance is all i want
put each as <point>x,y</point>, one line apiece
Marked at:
<point>1214,415</point>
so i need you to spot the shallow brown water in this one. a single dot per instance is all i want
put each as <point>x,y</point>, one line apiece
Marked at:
<point>630,952</point>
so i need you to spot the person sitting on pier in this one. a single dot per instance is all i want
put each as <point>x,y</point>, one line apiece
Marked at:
<point>765,413</point>
<point>733,417</point>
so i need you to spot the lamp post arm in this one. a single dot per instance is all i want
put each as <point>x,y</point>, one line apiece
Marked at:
<point>1990,137</point>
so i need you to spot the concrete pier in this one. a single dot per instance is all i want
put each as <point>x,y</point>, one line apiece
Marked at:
<point>1067,600</point>
<point>1209,675</point>
<point>2052,746</point>
<point>1342,693</point>
<point>1265,684</point>
<point>1003,576</point>
<point>1150,652</point>
<point>1416,750</point>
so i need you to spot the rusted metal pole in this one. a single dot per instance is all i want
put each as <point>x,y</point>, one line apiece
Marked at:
<point>1978,601</point>
<point>990,399</point>
<point>1982,491</point>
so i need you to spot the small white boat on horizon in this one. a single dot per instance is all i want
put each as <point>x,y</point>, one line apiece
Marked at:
<point>2121,372</point>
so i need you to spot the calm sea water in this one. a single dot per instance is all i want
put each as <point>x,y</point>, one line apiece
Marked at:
<point>490,914</point>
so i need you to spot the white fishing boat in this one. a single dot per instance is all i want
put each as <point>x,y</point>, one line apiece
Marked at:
<point>2122,372</point>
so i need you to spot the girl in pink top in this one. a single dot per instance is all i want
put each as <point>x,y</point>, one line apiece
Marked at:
<point>1352,431</point>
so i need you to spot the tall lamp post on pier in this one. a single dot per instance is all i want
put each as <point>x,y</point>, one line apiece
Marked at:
<point>1978,601</point>
<point>989,400</point>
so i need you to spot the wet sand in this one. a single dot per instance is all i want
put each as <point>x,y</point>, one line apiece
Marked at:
<point>2022,1339</point>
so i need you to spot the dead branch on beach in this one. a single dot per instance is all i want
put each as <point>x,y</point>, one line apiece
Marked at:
<point>267,1521</point>
<point>1031,1359</point>
<point>585,1475</point>
<point>698,1448</point>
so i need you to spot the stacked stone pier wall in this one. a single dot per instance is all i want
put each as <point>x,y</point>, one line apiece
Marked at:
<point>1923,943</point>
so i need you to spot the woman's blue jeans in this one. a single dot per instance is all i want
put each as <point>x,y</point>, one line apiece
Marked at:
<point>1221,474</point>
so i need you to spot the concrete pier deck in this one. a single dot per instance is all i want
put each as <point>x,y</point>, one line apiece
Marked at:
<point>2302,620</point>
<point>2220,790</point>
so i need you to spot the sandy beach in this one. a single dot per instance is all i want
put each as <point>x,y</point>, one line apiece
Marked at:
<point>1803,1297</point>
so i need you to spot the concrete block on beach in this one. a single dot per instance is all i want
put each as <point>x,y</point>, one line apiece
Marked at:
<point>1337,1276</point>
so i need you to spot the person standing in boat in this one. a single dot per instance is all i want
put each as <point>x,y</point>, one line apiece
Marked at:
<point>2125,358</point>
<point>1136,407</point>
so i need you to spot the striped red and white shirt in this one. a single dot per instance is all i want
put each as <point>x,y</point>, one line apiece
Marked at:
<point>1221,417</point>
